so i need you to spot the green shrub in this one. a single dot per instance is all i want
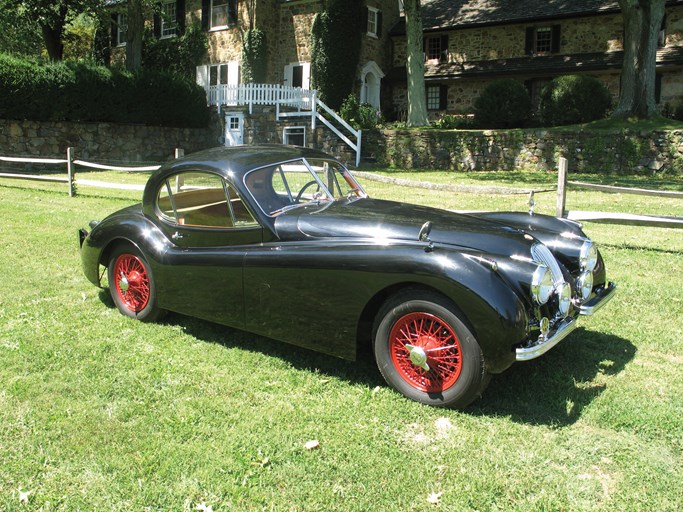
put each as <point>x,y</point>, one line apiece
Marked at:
<point>362,116</point>
<point>505,103</point>
<point>76,91</point>
<point>454,122</point>
<point>573,99</point>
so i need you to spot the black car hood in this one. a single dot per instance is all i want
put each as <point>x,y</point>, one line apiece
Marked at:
<point>389,220</point>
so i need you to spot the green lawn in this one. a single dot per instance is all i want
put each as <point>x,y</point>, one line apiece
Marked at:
<point>98,412</point>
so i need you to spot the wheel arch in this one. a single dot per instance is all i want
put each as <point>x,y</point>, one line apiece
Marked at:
<point>368,322</point>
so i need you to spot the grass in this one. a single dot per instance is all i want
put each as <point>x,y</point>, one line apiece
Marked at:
<point>101,412</point>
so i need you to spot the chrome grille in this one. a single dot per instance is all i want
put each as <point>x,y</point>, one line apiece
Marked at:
<point>541,254</point>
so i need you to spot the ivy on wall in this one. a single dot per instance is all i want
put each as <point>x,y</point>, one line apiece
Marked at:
<point>179,55</point>
<point>254,57</point>
<point>335,50</point>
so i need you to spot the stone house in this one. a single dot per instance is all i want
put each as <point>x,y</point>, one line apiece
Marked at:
<point>287,26</point>
<point>469,43</point>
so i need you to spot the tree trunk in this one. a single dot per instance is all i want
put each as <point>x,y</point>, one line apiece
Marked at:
<point>642,23</point>
<point>52,36</point>
<point>417,98</point>
<point>136,24</point>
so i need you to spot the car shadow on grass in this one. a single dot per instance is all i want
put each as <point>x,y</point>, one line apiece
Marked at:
<point>555,388</point>
<point>551,390</point>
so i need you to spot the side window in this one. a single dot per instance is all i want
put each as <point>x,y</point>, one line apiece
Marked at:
<point>201,199</point>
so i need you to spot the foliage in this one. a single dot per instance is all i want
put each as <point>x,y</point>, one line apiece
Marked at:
<point>362,116</point>
<point>573,99</point>
<point>77,91</point>
<point>504,103</point>
<point>100,412</point>
<point>453,122</point>
<point>53,16</point>
<point>19,33</point>
<point>335,50</point>
<point>180,55</point>
<point>79,38</point>
<point>254,56</point>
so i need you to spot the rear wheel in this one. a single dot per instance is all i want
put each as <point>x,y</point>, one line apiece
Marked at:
<point>426,352</point>
<point>131,284</point>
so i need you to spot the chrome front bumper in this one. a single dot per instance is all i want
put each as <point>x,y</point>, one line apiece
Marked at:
<point>566,326</point>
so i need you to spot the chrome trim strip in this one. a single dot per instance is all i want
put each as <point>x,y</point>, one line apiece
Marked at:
<point>598,301</point>
<point>565,328</point>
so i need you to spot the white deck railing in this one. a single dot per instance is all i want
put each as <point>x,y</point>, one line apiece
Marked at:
<point>304,101</point>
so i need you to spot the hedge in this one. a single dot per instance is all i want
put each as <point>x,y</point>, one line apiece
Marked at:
<point>75,91</point>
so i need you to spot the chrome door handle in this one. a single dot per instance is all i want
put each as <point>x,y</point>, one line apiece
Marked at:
<point>176,236</point>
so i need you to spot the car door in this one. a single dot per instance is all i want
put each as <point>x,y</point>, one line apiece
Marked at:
<point>209,227</point>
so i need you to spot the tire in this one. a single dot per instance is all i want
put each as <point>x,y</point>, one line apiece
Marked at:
<point>131,284</point>
<point>444,365</point>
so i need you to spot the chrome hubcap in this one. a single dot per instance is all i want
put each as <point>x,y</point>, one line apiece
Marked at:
<point>123,284</point>
<point>418,357</point>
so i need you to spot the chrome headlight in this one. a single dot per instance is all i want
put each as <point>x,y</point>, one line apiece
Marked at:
<point>541,284</point>
<point>564,297</point>
<point>588,257</point>
<point>584,285</point>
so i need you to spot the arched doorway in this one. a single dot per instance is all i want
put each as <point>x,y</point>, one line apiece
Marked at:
<point>371,80</point>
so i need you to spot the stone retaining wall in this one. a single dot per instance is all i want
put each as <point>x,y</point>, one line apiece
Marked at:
<point>103,141</point>
<point>624,153</point>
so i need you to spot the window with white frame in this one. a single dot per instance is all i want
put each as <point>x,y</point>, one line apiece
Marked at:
<point>223,14</point>
<point>121,29</point>
<point>169,21</point>
<point>373,22</point>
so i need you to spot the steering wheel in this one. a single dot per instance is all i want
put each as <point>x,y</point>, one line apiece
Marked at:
<point>303,189</point>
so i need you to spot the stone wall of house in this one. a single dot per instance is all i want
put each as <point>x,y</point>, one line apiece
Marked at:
<point>602,33</point>
<point>294,34</point>
<point>105,142</point>
<point>635,152</point>
<point>260,127</point>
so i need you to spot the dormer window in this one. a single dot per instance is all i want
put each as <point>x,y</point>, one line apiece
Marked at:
<point>436,48</point>
<point>543,40</point>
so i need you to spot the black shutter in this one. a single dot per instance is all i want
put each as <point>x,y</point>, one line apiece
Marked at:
<point>379,24</point>
<point>555,48</point>
<point>658,88</point>
<point>206,5</point>
<point>424,48</point>
<point>529,42</point>
<point>443,97</point>
<point>444,49</point>
<point>180,16</point>
<point>114,30</point>
<point>232,13</point>
<point>157,25</point>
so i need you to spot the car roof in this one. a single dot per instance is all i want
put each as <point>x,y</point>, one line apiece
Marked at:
<point>238,160</point>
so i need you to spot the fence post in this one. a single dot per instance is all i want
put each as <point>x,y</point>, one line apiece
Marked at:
<point>561,186</point>
<point>70,170</point>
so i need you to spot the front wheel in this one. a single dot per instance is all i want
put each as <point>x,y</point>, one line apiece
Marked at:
<point>131,285</point>
<point>426,352</point>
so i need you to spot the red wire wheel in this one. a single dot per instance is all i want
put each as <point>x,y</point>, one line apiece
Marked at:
<point>426,352</point>
<point>131,282</point>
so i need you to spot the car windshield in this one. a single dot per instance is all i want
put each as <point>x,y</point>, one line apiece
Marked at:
<point>284,186</point>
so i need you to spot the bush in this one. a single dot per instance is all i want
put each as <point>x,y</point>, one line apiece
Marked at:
<point>573,99</point>
<point>76,91</point>
<point>454,122</point>
<point>362,116</point>
<point>254,57</point>
<point>505,103</point>
<point>179,55</point>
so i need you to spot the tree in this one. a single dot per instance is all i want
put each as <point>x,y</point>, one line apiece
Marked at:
<point>642,24</point>
<point>417,98</point>
<point>135,19</point>
<point>52,16</point>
